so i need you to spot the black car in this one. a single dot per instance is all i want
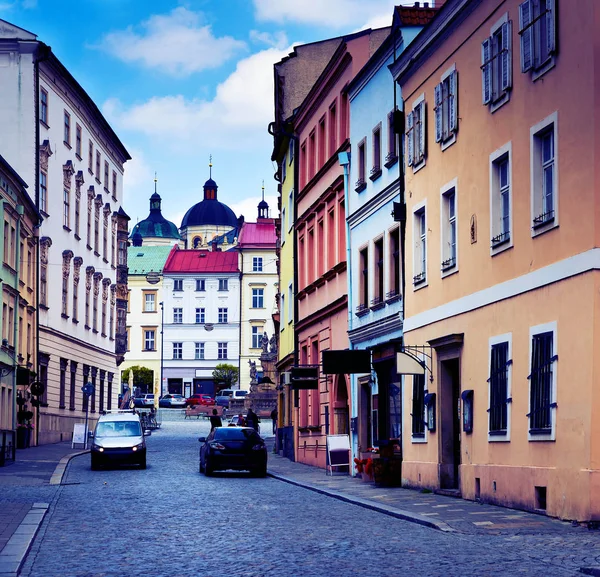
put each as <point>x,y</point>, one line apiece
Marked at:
<point>237,448</point>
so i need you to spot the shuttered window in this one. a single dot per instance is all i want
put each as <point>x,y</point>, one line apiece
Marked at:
<point>496,65</point>
<point>445,109</point>
<point>415,135</point>
<point>537,29</point>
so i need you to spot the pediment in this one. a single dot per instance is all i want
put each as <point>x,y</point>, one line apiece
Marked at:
<point>10,31</point>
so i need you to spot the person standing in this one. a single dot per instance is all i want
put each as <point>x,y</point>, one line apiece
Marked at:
<point>215,420</point>
<point>274,417</point>
<point>252,420</point>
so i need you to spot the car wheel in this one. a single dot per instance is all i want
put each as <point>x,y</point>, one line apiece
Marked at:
<point>208,470</point>
<point>143,463</point>
<point>200,467</point>
<point>95,465</point>
<point>260,472</point>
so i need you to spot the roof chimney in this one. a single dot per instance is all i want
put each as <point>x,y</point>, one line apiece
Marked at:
<point>416,5</point>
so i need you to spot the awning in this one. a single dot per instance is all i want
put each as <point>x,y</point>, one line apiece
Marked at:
<point>406,364</point>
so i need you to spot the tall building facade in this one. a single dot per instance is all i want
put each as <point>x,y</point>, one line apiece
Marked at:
<point>63,146</point>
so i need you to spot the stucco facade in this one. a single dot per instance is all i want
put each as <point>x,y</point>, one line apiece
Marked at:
<point>502,205</point>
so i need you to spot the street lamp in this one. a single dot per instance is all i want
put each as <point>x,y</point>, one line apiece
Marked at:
<point>162,344</point>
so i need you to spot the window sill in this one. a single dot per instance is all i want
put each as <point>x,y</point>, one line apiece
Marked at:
<point>78,157</point>
<point>77,237</point>
<point>105,260</point>
<point>390,160</point>
<point>377,304</point>
<point>500,102</point>
<point>149,350</point>
<point>44,124</point>
<point>64,316</point>
<point>75,321</point>
<point>418,166</point>
<point>392,297</point>
<point>95,331</point>
<point>541,228</point>
<point>91,171</point>
<point>362,310</point>
<point>376,172</point>
<point>360,185</point>
<point>67,144</point>
<point>98,181</point>
<point>541,70</point>
<point>96,253</point>
<point>65,227</point>
<point>87,327</point>
<point>448,142</point>
<point>88,247</point>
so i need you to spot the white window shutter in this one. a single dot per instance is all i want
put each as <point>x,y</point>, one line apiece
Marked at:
<point>437,110</point>
<point>422,132</point>
<point>551,26</point>
<point>526,32</point>
<point>410,138</point>
<point>453,102</point>
<point>486,71</point>
<point>506,60</point>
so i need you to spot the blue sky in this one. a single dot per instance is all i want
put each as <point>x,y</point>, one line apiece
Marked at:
<point>179,81</point>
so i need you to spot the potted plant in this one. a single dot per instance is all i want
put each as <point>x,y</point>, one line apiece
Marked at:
<point>24,426</point>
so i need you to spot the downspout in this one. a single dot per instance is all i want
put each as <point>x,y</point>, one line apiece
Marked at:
<point>344,160</point>
<point>20,212</point>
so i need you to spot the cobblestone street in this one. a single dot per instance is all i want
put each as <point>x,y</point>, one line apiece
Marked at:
<point>169,520</point>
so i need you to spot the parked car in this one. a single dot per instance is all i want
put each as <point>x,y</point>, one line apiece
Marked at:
<point>199,399</point>
<point>237,421</point>
<point>226,394</point>
<point>172,401</point>
<point>236,448</point>
<point>118,438</point>
<point>144,401</point>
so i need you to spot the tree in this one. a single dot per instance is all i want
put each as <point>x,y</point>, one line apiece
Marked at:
<point>142,377</point>
<point>225,376</point>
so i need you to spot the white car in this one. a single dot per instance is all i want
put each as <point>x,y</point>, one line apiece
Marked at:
<point>172,401</point>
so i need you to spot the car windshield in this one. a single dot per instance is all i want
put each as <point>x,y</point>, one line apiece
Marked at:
<point>234,434</point>
<point>119,429</point>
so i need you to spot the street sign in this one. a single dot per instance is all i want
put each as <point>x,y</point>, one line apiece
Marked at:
<point>88,389</point>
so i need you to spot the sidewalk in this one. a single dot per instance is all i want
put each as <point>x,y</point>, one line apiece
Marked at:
<point>19,521</point>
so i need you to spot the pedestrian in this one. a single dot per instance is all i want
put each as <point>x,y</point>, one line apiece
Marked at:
<point>215,420</point>
<point>252,420</point>
<point>274,417</point>
<point>241,421</point>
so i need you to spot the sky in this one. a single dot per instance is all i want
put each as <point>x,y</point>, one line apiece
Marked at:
<point>180,81</point>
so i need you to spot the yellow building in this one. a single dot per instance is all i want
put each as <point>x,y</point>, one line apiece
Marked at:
<point>502,254</point>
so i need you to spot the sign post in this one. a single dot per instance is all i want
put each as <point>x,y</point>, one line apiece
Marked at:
<point>88,391</point>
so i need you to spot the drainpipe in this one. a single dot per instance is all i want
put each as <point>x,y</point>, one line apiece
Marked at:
<point>344,160</point>
<point>20,212</point>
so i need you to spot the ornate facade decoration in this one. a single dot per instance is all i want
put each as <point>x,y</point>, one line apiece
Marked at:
<point>45,154</point>
<point>67,256</point>
<point>68,172</point>
<point>105,285</point>
<point>79,181</point>
<point>45,244</point>
<point>89,273</point>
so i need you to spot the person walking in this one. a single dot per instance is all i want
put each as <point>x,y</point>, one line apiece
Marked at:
<point>252,420</point>
<point>215,420</point>
<point>274,417</point>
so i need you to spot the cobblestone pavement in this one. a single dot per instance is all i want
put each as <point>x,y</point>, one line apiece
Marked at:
<point>169,520</point>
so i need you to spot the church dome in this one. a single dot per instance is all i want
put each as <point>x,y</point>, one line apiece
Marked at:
<point>209,211</point>
<point>156,225</point>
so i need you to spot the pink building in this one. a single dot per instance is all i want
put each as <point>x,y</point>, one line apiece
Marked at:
<point>322,127</point>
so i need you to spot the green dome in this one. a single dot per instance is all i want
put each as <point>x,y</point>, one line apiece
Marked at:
<point>156,225</point>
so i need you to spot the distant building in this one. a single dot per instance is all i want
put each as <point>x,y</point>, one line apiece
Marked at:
<point>155,229</point>
<point>55,137</point>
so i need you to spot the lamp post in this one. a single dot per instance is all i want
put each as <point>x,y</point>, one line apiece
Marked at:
<point>162,343</point>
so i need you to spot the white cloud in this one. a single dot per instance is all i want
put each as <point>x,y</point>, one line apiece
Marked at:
<point>178,44</point>
<point>138,178</point>
<point>332,14</point>
<point>249,207</point>
<point>276,40</point>
<point>241,109</point>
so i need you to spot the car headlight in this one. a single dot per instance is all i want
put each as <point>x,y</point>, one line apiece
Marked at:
<point>137,447</point>
<point>258,447</point>
<point>98,448</point>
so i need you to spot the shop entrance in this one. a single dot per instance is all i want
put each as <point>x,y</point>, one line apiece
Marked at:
<point>450,424</point>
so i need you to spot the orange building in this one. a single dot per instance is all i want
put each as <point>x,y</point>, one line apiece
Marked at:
<point>502,260</point>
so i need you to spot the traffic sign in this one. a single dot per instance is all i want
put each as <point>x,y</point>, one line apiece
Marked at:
<point>88,389</point>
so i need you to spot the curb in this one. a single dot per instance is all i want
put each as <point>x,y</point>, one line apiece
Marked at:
<point>391,511</point>
<point>59,472</point>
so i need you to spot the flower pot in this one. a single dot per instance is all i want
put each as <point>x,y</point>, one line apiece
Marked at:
<point>387,471</point>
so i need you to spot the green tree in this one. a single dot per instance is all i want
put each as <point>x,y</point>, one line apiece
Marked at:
<point>225,376</point>
<point>142,377</point>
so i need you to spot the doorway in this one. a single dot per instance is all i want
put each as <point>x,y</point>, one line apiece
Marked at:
<point>449,423</point>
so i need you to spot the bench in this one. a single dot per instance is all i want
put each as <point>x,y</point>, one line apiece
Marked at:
<point>202,411</point>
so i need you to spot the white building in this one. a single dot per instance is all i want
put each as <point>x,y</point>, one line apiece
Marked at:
<point>72,160</point>
<point>201,296</point>
<point>260,281</point>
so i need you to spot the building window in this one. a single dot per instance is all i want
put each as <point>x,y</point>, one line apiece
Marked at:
<point>223,284</point>
<point>499,387</point>
<point>322,143</point>
<point>199,351</point>
<point>500,217</point>
<point>312,154</point>
<point>418,407</point>
<point>283,168</point>
<point>78,141</point>
<point>394,267</point>
<point>256,337</point>
<point>392,155</point>
<point>496,65</point>
<point>360,183</point>
<point>66,208</point>
<point>379,264</point>
<point>258,298</point>
<point>449,230</point>
<point>149,339</point>
<point>537,29</point>
<point>257,264</point>
<point>44,106</point>
<point>178,284</point>
<point>63,383</point>
<point>542,383</point>
<point>445,109</point>
<point>290,303</point>
<point>420,243</point>
<point>221,351</point>
<point>544,175</point>
<point>363,281</point>
<point>290,210</point>
<point>332,129</point>
<point>106,175</point>
<point>67,132</point>
<point>282,312</point>
<point>415,135</point>
<point>376,168</point>
<point>43,192</point>
<point>177,350</point>
<point>150,302</point>
<point>222,315</point>
<point>73,385</point>
<point>283,223</point>
<point>177,316</point>
<point>291,151</point>
<point>200,316</point>
<point>98,165</point>
<point>91,157</point>
<point>200,285</point>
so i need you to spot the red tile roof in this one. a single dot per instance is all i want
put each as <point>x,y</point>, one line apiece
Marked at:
<point>258,233</point>
<point>413,16</point>
<point>201,261</point>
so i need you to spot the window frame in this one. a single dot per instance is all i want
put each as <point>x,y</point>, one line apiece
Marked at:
<point>199,351</point>
<point>223,285</point>
<point>67,129</point>
<point>258,298</point>
<point>420,244</point>
<point>445,109</point>
<point>200,282</point>
<point>447,222</point>
<point>416,139</point>
<point>222,315</point>
<point>222,351</point>
<point>177,315</point>
<point>550,327</point>
<point>44,101</point>
<point>499,242</point>
<point>145,338</point>
<point>177,351</point>
<point>256,336</point>
<point>419,437</point>
<point>200,315</point>
<point>178,285</point>
<point>257,264</point>
<point>376,168</point>
<point>547,125</point>
<point>530,32</point>
<point>496,64</point>
<point>497,436</point>
<point>361,155</point>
